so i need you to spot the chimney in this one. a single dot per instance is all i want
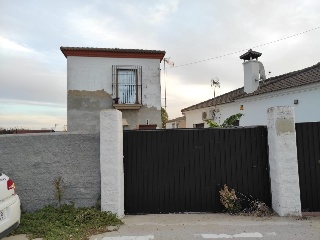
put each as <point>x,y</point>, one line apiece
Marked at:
<point>253,71</point>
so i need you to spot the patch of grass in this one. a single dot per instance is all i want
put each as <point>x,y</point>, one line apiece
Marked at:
<point>65,222</point>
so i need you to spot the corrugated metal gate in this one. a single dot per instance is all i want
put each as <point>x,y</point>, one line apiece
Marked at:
<point>308,146</point>
<point>170,171</point>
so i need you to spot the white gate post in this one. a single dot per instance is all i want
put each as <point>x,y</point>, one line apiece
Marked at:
<point>283,161</point>
<point>111,162</point>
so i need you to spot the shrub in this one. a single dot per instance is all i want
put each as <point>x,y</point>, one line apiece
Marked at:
<point>229,200</point>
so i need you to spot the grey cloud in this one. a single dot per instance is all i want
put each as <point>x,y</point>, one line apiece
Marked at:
<point>23,78</point>
<point>188,31</point>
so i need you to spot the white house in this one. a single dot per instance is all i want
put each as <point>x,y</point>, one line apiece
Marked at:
<point>107,78</point>
<point>300,89</point>
<point>179,122</point>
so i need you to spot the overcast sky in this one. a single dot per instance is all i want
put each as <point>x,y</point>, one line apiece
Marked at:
<point>33,71</point>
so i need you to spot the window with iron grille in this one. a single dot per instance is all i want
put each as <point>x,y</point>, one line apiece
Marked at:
<point>126,84</point>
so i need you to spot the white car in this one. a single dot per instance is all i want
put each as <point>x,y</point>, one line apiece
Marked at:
<point>10,211</point>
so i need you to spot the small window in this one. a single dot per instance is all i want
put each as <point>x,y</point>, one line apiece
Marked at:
<point>126,84</point>
<point>198,125</point>
<point>236,123</point>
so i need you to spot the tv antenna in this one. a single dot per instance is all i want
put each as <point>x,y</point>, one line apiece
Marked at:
<point>215,83</point>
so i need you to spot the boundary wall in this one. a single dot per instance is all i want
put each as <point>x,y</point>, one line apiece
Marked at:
<point>34,161</point>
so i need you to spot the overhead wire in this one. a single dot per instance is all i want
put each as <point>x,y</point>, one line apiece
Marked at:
<point>260,45</point>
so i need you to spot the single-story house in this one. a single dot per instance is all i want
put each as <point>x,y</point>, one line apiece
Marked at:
<point>300,89</point>
<point>179,122</point>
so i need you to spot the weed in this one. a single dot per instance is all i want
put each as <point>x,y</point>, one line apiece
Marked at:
<point>229,200</point>
<point>98,202</point>
<point>258,208</point>
<point>232,200</point>
<point>65,222</point>
<point>58,189</point>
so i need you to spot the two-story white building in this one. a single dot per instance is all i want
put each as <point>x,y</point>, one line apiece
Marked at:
<point>112,78</point>
<point>300,89</point>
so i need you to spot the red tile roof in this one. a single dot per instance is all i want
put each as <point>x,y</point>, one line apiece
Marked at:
<point>112,52</point>
<point>289,80</point>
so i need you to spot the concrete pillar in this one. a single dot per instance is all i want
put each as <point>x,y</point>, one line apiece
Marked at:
<point>111,162</point>
<point>283,161</point>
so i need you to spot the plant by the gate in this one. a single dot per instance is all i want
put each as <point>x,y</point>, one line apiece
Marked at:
<point>65,222</point>
<point>258,209</point>
<point>58,181</point>
<point>226,123</point>
<point>229,200</point>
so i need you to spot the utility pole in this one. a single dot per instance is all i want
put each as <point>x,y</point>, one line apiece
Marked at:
<point>166,60</point>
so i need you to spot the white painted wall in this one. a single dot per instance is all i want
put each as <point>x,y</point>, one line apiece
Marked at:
<point>175,124</point>
<point>95,73</point>
<point>225,110</point>
<point>171,125</point>
<point>111,162</point>
<point>251,71</point>
<point>255,108</point>
<point>283,161</point>
<point>307,110</point>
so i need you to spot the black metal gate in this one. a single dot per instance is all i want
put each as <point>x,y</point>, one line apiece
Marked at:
<point>308,146</point>
<point>171,171</point>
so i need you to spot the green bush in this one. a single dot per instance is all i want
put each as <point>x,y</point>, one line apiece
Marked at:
<point>230,200</point>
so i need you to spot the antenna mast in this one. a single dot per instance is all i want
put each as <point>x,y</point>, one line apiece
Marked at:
<point>166,60</point>
<point>215,83</point>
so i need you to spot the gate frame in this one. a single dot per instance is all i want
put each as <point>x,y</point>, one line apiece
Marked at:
<point>285,187</point>
<point>283,161</point>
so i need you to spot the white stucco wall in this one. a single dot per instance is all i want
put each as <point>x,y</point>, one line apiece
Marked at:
<point>95,73</point>
<point>251,75</point>
<point>111,162</point>
<point>283,161</point>
<point>255,108</point>
<point>223,111</point>
<point>90,91</point>
<point>307,109</point>
<point>170,125</point>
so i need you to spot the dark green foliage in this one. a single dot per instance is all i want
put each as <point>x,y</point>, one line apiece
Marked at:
<point>227,123</point>
<point>65,222</point>
<point>164,117</point>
